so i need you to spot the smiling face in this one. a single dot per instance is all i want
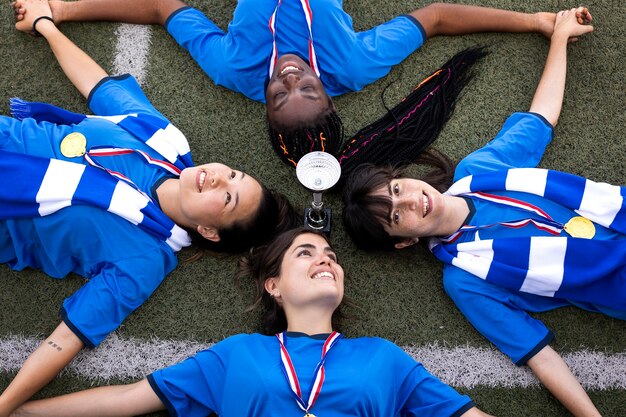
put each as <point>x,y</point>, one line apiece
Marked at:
<point>295,94</point>
<point>214,196</point>
<point>417,209</point>
<point>309,275</point>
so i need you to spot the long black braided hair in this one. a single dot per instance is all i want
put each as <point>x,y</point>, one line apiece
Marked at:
<point>398,137</point>
<point>324,133</point>
<point>411,126</point>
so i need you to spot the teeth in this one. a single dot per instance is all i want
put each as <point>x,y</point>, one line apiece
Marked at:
<point>289,68</point>
<point>323,275</point>
<point>426,205</point>
<point>201,180</point>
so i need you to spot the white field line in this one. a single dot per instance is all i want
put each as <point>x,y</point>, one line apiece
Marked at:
<point>131,55</point>
<point>458,366</point>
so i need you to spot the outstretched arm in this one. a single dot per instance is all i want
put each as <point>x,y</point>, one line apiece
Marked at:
<point>118,400</point>
<point>458,19</point>
<point>144,12</point>
<point>548,98</point>
<point>81,70</point>
<point>556,376</point>
<point>42,365</point>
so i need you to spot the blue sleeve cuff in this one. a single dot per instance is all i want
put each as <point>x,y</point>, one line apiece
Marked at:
<point>101,82</point>
<point>166,402</point>
<point>418,24</point>
<point>174,14</point>
<point>463,409</point>
<point>75,330</point>
<point>542,343</point>
<point>543,119</point>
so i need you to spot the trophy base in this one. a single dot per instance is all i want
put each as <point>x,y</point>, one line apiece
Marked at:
<point>318,220</point>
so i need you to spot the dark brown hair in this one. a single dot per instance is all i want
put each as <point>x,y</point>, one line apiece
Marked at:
<point>264,262</point>
<point>364,215</point>
<point>274,215</point>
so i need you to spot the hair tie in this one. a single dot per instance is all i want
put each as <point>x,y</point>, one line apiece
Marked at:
<point>37,20</point>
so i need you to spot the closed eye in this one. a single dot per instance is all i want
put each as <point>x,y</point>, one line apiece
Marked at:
<point>304,252</point>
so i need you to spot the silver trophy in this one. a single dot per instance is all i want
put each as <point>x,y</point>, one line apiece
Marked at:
<point>318,171</point>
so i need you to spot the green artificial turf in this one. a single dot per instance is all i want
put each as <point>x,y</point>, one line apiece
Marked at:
<point>400,294</point>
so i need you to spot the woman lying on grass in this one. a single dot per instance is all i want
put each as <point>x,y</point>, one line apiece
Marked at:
<point>514,239</point>
<point>305,51</point>
<point>112,198</point>
<point>300,284</point>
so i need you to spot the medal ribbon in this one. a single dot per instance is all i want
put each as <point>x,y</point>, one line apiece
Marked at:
<point>292,378</point>
<point>547,224</point>
<point>114,151</point>
<point>508,201</point>
<point>308,14</point>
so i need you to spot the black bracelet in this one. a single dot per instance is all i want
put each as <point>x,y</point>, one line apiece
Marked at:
<point>37,20</point>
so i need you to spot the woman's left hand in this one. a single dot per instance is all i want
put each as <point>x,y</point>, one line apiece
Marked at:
<point>27,11</point>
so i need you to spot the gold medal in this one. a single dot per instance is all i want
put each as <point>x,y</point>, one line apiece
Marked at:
<point>309,415</point>
<point>580,227</point>
<point>74,144</point>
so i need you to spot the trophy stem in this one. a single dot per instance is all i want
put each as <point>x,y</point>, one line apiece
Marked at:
<point>317,201</point>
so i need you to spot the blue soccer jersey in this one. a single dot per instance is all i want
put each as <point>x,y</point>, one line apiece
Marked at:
<point>123,264</point>
<point>239,59</point>
<point>499,314</point>
<point>241,376</point>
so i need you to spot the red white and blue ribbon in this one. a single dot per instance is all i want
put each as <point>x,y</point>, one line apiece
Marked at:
<point>308,14</point>
<point>511,202</point>
<point>552,227</point>
<point>292,378</point>
<point>106,151</point>
<point>599,202</point>
<point>546,223</point>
